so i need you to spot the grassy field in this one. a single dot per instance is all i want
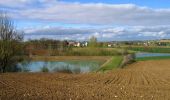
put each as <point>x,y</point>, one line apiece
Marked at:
<point>150,49</point>
<point>81,52</point>
<point>152,58</point>
<point>112,63</point>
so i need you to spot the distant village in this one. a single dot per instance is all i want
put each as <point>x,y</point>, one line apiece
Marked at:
<point>56,44</point>
<point>78,44</point>
<point>162,42</point>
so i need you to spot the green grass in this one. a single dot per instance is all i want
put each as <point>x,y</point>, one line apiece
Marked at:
<point>87,51</point>
<point>112,63</point>
<point>153,58</point>
<point>94,52</point>
<point>150,49</point>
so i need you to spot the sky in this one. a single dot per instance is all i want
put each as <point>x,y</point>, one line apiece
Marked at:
<point>108,20</point>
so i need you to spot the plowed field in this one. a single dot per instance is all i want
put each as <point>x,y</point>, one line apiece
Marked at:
<point>147,80</point>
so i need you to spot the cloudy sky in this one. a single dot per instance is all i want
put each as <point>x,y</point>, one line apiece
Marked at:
<point>108,20</point>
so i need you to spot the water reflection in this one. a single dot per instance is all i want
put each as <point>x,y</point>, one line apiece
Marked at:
<point>60,66</point>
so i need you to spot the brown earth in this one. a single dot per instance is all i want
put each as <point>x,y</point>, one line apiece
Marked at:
<point>147,80</point>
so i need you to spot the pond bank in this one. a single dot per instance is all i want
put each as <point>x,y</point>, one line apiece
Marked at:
<point>112,63</point>
<point>66,58</point>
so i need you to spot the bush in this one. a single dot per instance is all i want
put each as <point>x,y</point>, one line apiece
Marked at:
<point>128,59</point>
<point>112,63</point>
<point>44,69</point>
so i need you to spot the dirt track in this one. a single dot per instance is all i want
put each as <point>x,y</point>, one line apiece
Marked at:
<point>149,80</point>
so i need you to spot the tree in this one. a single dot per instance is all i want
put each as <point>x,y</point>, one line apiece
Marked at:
<point>93,41</point>
<point>10,43</point>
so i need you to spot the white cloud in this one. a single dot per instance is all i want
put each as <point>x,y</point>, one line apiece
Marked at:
<point>135,22</point>
<point>90,13</point>
<point>15,3</point>
<point>109,34</point>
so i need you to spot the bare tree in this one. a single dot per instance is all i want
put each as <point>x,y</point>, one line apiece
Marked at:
<point>93,41</point>
<point>9,42</point>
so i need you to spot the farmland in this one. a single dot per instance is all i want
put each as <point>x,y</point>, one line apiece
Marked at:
<point>149,80</point>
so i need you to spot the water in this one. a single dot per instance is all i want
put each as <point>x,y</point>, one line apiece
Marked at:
<point>140,55</point>
<point>60,66</point>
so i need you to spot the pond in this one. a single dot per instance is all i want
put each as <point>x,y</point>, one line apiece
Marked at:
<point>59,66</point>
<point>141,55</point>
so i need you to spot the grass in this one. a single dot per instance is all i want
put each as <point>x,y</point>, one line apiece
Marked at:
<point>94,52</point>
<point>87,51</point>
<point>150,49</point>
<point>112,63</point>
<point>152,58</point>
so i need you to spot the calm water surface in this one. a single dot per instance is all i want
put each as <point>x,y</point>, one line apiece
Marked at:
<point>60,66</point>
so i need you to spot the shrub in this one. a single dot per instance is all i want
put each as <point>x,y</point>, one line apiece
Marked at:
<point>128,59</point>
<point>44,69</point>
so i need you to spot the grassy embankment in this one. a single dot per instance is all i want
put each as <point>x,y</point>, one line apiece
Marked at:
<point>70,58</point>
<point>112,63</point>
<point>149,49</point>
<point>80,52</point>
<point>152,58</point>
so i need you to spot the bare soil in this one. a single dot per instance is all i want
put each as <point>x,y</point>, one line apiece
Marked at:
<point>145,80</point>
